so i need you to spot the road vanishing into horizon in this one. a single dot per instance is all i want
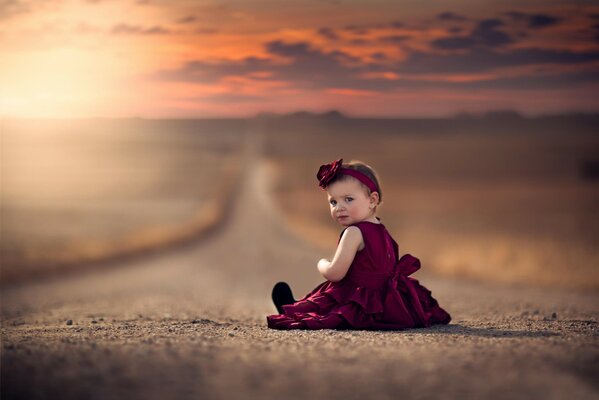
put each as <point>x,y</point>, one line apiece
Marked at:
<point>190,322</point>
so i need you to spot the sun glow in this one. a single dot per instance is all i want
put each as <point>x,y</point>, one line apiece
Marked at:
<point>61,60</point>
<point>54,83</point>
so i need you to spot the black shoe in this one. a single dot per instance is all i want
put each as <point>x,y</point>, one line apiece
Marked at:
<point>281,295</point>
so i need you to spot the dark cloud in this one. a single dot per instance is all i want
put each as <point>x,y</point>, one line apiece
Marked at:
<point>210,72</point>
<point>394,38</point>
<point>489,24</point>
<point>328,33</point>
<point>536,82</point>
<point>226,98</point>
<point>294,50</point>
<point>187,20</point>
<point>365,29</point>
<point>532,82</point>
<point>541,21</point>
<point>450,16</point>
<point>309,67</point>
<point>455,29</point>
<point>357,30</point>
<point>205,31</point>
<point>482,60</point>
<point>346,77</point>
<point>360,42</point>
<point>379,56</point>
<point>138,30</point>
<point>306,56</point>
<point>485,34</point>
<point>454,43</point>
<point>534,21</point>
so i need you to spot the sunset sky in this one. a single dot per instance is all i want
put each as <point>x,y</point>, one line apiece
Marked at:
<point>183,58</point>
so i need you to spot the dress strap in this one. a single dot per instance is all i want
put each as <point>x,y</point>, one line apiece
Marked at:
<point>341,234</point>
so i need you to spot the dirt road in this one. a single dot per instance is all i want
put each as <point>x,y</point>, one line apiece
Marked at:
<point>190,323</point>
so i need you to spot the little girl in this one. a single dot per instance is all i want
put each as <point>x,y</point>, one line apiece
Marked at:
<point>367,284</point>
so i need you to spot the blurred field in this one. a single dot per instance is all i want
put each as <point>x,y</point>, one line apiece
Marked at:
<point>80,191</point>
<point>500,198</point>
<point>474,199</point>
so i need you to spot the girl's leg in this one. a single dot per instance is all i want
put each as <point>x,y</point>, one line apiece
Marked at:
<point>281,295</point>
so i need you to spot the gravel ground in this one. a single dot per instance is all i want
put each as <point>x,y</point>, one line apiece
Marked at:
<point>503,343</point>
<point>191,323</point>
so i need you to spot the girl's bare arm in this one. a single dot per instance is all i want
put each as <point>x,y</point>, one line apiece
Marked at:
<point>336,269</point>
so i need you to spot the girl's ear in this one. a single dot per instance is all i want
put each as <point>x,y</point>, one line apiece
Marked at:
<point>374,198</point>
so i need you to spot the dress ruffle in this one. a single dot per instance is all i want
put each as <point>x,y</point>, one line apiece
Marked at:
<point>399,302</point>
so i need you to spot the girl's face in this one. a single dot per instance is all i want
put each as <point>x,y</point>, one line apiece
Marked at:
<point>349,202</point>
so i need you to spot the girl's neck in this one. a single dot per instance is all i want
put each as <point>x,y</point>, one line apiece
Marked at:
<point>373,218</point>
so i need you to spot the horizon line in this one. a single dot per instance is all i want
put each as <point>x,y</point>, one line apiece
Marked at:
<point>333,113</point>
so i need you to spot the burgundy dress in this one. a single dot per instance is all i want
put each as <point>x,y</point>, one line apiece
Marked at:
<point>376,293</point>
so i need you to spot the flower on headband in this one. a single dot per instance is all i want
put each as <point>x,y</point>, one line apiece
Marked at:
<point>327,172</point>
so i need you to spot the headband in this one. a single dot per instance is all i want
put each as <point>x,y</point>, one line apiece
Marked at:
<point>327,172</point>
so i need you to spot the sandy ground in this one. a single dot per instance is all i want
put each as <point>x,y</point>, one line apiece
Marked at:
<point>191,323</point>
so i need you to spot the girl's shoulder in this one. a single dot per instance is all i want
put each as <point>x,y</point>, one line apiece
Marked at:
<point>366,228</point>
<point>347,228</point>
